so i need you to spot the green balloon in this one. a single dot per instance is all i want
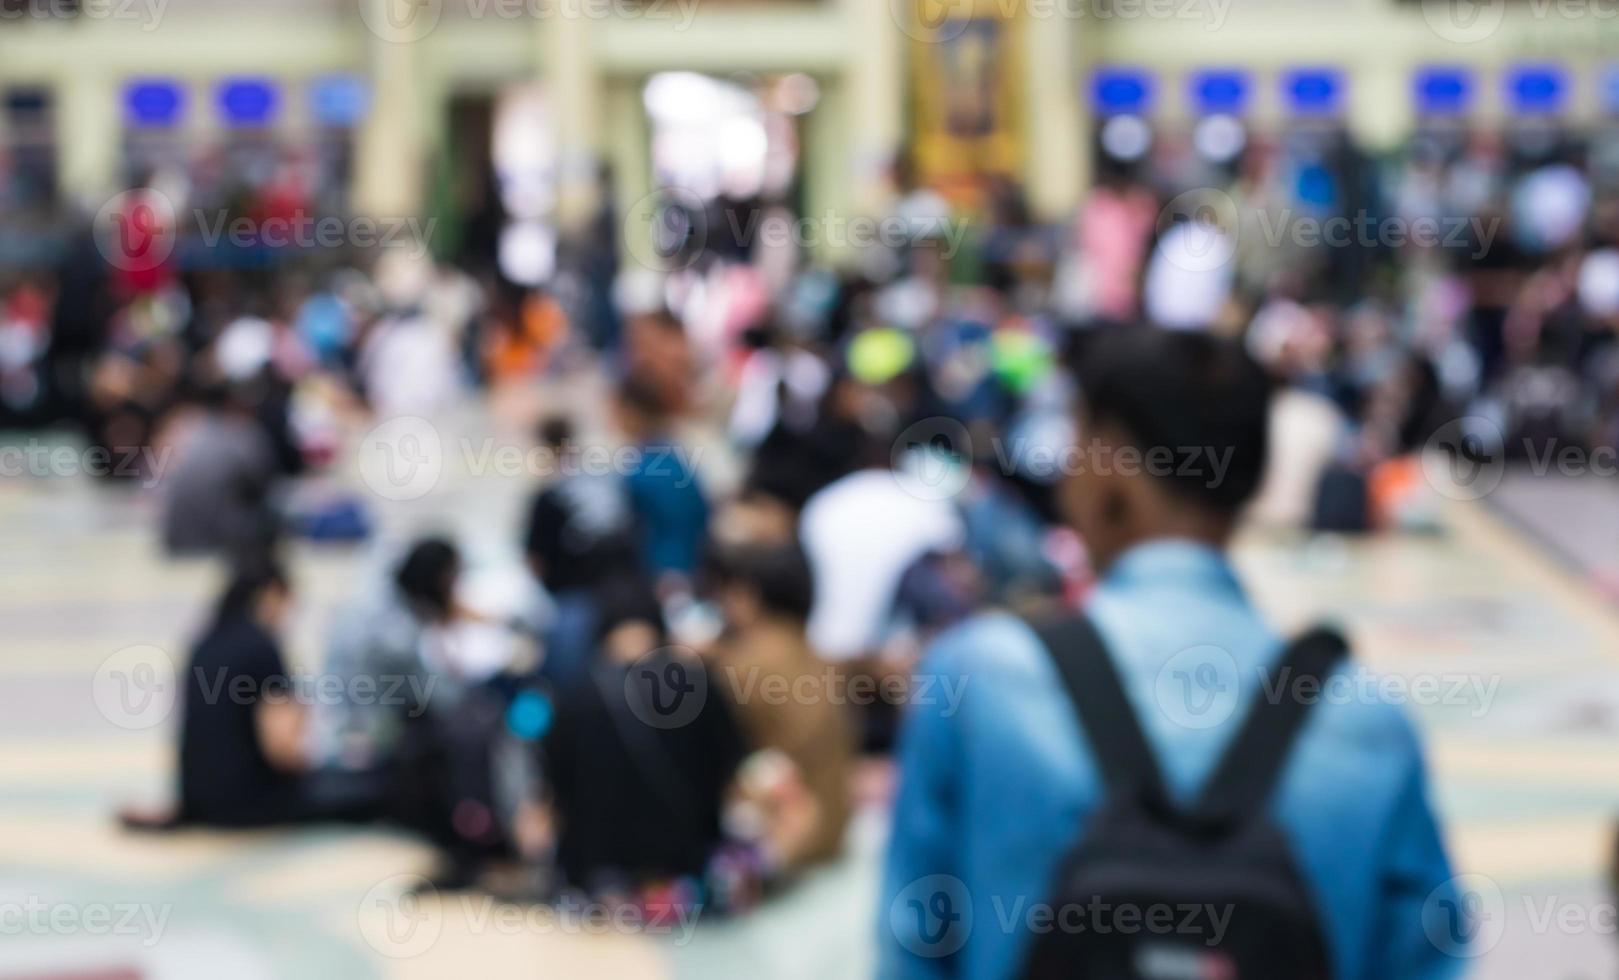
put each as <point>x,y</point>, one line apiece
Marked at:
<point>1021,359</point>
<point>880,355</point>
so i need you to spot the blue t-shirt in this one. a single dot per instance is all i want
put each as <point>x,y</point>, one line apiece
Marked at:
<point>669,507</point>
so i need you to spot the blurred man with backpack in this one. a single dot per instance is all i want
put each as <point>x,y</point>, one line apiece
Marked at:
<point>1156,788</point>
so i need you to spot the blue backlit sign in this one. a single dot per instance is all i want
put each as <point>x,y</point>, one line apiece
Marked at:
<point>1313,91</point>
<point>1536,88</point>
<point>1223,90</point>
<point>1442,90</point>
<point>245,102</point>
<point>1121,91</point>
<point>154,102</point>
<point>339,100</point>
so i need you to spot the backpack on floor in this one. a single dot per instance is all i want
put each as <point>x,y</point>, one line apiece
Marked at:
<point>1158,891</point>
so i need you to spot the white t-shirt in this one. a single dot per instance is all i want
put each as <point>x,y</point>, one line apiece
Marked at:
<point>861,534</point>
<point>1306,431</point>
<point>1189,277</point>
<point>411,368</point>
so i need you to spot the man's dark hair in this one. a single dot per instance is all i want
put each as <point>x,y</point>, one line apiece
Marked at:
<point>626,600</point>
<point>427,575</point>
<point>1187,393</point>
<point>643,398</point>
<point>780,573</point>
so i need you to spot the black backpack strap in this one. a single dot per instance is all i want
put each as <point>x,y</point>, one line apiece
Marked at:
<point>1246,775</point>
<point>1093,685</point>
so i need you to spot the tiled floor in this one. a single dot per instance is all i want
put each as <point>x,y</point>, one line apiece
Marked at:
<point>1528,780</point>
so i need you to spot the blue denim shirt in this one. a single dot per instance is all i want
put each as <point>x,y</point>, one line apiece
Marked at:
<point>997,782</point>
<point>669,506</point>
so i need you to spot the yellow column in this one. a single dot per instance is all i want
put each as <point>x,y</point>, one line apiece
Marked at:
<point>828,172</point>
<point>87,135</point>
<point>1380,104</point>
<point>630,150</point>
<point>390,172</point>
<point>1057,164</point>
<point>874,84</point>
<point>574,90</point>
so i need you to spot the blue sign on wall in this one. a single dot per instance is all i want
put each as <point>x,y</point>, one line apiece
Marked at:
<point>1442,90</point>
<point>1120,91</point>
<point>245,102</point>
<point>339,100</point>
<point>1220,90</point>
<point>1610,88</point>
<point>1536,88</point>
<point>154,102</point>
<point>1313,91</point>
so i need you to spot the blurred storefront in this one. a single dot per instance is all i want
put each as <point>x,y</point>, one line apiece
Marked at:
<point>390,107</point>
<point>372,100</point>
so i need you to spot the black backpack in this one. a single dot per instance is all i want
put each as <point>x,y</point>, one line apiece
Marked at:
<point>1237,908</point>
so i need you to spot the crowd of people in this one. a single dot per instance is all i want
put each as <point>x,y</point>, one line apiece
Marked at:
<point>923,437</point>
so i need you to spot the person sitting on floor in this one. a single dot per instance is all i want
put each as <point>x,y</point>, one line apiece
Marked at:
<point>241,735</point>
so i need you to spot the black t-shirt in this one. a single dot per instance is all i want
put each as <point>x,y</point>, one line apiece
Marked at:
<point>639,793</point>
<point>224,775</point>
<point>794,466</point>
<point>581,530</point>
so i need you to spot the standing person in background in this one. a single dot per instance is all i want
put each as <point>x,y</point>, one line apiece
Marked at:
<point>1190,275</point>
<point>522,342</point>
<point>670,509</point>
<point>596,257</point>
<point>1351,799</point>
<point>862,533</point>
<point>658,356</point>
<point>409,361</point>
<point>580,536</point>
<point>1108,250</point>
<point>79,317</point>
